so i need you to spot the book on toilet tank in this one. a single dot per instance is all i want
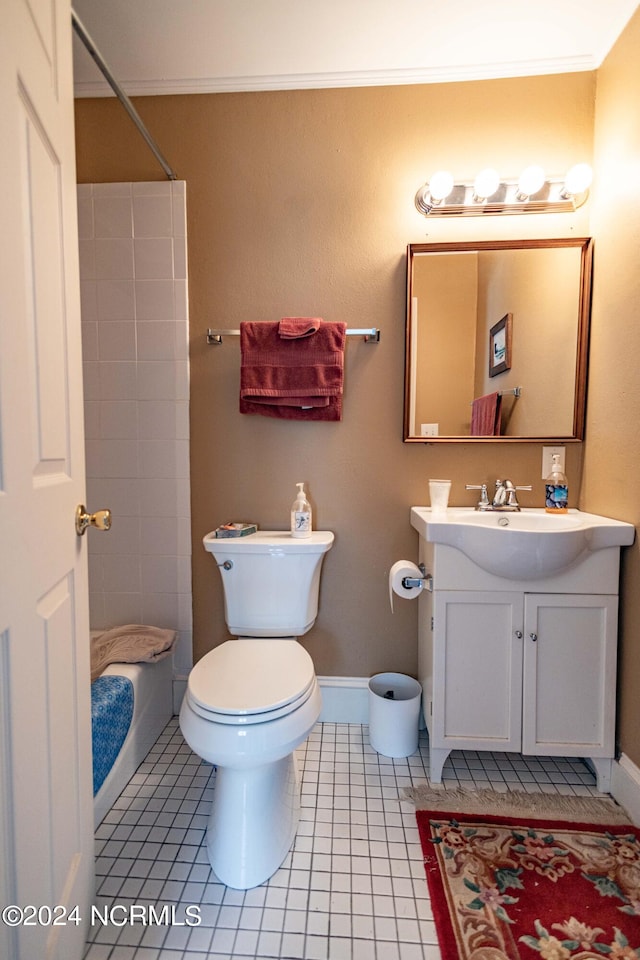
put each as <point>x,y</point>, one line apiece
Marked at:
<point>233,528</point>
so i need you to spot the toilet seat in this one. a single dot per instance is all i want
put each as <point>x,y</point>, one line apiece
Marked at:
<point>248,681</point>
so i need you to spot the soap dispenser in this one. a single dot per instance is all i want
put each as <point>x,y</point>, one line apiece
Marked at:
<point>301,514</point>
<point>556,489</point>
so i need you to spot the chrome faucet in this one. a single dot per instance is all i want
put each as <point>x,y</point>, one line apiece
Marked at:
<point>504,498</point>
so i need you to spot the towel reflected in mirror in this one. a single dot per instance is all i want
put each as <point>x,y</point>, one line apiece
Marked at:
<point>486,416</point>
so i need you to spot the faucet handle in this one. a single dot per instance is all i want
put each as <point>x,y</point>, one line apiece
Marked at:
<point>512,500</point>
<point>484,496</point>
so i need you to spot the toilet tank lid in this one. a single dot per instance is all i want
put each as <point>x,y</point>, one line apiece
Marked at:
<point>269,541</point>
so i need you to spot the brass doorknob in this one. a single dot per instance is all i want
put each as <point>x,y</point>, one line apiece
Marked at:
<point>101,519</point>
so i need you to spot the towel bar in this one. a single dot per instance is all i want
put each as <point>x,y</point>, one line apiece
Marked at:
<point>370,334</point>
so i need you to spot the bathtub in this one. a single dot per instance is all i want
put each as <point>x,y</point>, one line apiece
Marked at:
<point>152,710</point>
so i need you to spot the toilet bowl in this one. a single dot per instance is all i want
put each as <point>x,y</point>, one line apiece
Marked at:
<point>253,699</point>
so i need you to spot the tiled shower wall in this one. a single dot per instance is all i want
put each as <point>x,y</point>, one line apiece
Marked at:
<point>133,273</point>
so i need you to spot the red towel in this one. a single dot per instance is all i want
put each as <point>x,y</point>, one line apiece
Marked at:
<point>485,416</point>
<point>292,379</point>
<point>294,327</point>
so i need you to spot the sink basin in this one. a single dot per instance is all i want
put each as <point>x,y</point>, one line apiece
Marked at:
<point>525,545</point>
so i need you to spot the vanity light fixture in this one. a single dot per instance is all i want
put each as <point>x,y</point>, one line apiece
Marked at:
<point>532,192</point>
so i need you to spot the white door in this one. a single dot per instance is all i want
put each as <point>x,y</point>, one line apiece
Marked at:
<point>46,830</point>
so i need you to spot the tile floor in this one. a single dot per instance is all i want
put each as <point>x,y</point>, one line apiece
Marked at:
<point>352,888</point>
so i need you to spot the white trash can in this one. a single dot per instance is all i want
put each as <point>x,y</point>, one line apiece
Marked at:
<point>394,712</point>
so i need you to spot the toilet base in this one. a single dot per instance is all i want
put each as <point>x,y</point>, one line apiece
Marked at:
<point>253,821</point>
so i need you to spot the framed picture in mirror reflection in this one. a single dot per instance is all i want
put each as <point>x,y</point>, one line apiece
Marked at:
<point>500,336</point>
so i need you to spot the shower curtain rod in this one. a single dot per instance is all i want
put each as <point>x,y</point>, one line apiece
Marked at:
<point>94,53</point>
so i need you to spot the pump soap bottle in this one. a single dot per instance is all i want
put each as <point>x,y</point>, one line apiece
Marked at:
<point>301,514</point>
<point>556,489</point>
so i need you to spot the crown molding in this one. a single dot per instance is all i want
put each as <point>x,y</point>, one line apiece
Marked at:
<point>314,81</point>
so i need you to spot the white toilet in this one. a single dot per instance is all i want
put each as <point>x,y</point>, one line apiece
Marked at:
<point>252,700</point>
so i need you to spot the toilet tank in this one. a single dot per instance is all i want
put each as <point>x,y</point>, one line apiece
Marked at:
<point>271,586</point>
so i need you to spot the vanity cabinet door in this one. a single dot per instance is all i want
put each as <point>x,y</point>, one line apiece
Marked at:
<point>569,675</point>
<point>477,670</point>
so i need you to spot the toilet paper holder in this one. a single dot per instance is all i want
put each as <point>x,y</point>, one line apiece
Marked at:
<point>426,580</point>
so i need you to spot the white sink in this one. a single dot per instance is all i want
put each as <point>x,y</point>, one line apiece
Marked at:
<point>525,545</point>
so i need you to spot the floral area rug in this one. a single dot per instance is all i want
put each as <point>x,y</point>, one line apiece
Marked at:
<point>519,888</point>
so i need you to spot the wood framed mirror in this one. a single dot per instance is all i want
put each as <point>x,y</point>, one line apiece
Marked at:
<point>457,353</point>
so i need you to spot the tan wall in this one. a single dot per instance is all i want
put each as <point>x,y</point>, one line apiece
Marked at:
<point>611,482</point>
<point>302,203</point>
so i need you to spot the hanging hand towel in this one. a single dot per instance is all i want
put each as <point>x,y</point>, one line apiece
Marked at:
<point>485,416</point>
<point>291,328</point>
<point>292,379</point>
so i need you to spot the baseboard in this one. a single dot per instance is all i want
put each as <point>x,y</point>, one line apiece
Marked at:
<point>625,786</point>
<point>344,699</point>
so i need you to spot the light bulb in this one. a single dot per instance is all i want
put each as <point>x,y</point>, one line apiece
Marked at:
<point>440,185</point>
<point>531,180</point>
<point>578,179</point>
<point>486,184</point>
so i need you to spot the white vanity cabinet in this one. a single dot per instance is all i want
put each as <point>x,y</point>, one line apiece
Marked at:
<point>507,665</point>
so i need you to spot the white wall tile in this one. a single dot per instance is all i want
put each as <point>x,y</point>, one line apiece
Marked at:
<point>121,573</point>
<point>182,420</point>
<point>121,608</point>
<point>97,617</point>
<point>119,458</point>
<point>160,609</point>
<point>124,537</point>
<point>116,340</point>
<point>121,495</point>
<point>157,380</point>
<point>115,300</point>
<point>85,217</point>
<point>158,498</point>
<point>114,259</point>
<point>153,258</point>
<point>119,420</point>
<point>92,420</point>
<point>159,535</point>
<point>180,300</point>
<point>185,611</point>
<point>137,403</point>
<point>160,419</point>
<point>87,258</point>
<point>152,216</point>
<point>180,258</point>
<point>184,537</point>
<point>88,300</point>
<point>112,189</point>
<point>118,380</point>
<point>158,459</point>
<point>112,217</point>
<point>89,340</point>
<point>155,300</point>
<point>91,378</point>
<point>159,574</point>
<point>184,575</point>
<point>144,188</point>
<point>157,340</point>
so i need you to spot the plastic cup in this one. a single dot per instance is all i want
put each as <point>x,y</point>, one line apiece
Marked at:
<point>439,495</point>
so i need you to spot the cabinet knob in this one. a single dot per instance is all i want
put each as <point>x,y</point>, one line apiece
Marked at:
<point>519,634</point>
<point>533,636</point>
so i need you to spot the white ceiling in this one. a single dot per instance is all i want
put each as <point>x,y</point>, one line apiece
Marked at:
<point>208,46</point>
